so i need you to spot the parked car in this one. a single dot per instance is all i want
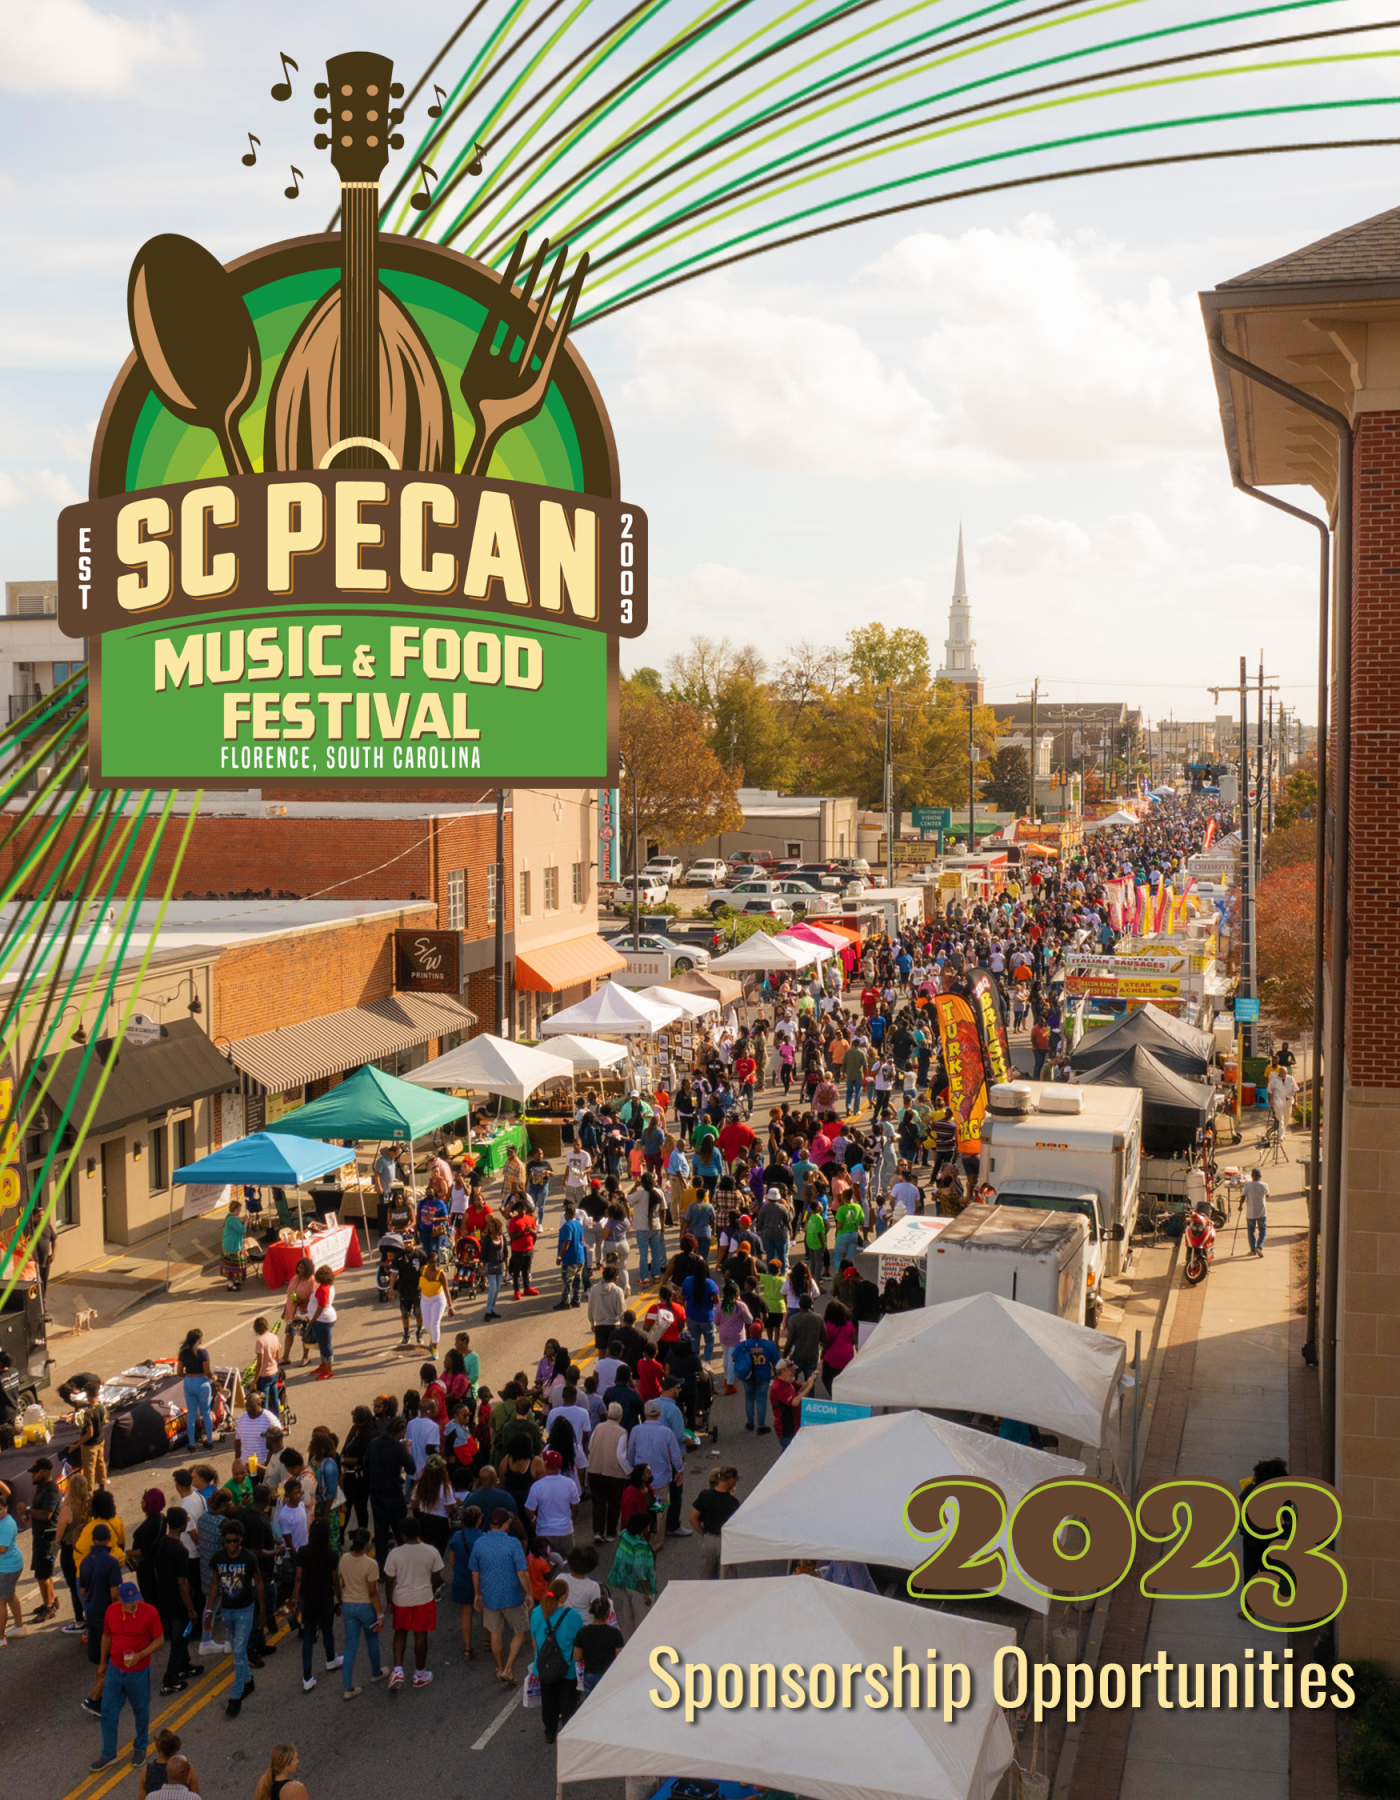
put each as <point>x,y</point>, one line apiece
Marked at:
<point>737,872</point>
<point>777,907</point>
<point>654,956</point>
<point>665,868</point>
<point>823,877</point>
<point>650,890</point>
<point>756,858</point>
<point>788,866</point>
<point>798,894</point>
<point>708,872</point>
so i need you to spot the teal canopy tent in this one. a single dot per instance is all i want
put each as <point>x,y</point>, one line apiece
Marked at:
<point>373,1105</point>
<point>266,1159</point>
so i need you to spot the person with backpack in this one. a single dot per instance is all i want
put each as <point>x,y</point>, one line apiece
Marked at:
<point>554,1625</point>
<point>755,1362</point>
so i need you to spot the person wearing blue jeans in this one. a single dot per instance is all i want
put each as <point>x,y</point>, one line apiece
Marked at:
<point>198,1372</point>
<point>361,1607</point>
<point>131,1630</point>
<point>240,1587</point>
<point>755,1362</point>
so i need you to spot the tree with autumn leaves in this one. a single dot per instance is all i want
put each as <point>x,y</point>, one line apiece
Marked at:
<point>684,791</point>
<point>1283,914</point>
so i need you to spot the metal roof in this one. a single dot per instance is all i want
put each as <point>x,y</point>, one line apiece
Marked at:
<point>295,1054</point>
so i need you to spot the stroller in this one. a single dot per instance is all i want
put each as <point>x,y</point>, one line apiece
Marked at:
<point>468,1277</point>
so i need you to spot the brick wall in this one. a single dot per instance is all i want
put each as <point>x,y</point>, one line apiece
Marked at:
<point>1373,990</point>
<point>339,859</point>
<point>287,980</point>
<point>1368,1462</point>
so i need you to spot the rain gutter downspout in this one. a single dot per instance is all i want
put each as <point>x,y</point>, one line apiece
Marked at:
<point>1335,1057</point>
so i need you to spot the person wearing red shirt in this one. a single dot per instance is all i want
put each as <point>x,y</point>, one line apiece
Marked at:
<point>649,1374</point>
<point>736,1139</point>
<point>520,1228</point>
<point>745,1073</point>
<point>131,1631</point>
<point>477,1216</point>
<point>869,1000</point>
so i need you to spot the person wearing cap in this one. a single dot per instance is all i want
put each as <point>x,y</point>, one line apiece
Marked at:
<point>99,1577</point>
<point>44,1504</point>
<point>131,1631</point>
<point>550,1504</point>
<point>237,1578</point>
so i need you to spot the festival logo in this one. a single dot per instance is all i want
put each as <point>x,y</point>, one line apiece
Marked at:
<point>354,510</point>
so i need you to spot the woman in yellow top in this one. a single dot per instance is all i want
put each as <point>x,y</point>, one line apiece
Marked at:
<point>104,1512</point>
<point>434,1299</point>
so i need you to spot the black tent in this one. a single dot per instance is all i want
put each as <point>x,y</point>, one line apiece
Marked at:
<point>1181,1048</point>
<point>1173,1108</point>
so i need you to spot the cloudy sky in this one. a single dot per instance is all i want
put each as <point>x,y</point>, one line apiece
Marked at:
<point>806,431</point>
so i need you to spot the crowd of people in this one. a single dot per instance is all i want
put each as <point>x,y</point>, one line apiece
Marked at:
<point>742,1221</point>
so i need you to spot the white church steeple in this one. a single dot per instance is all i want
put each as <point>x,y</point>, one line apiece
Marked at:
<point>959,648</point>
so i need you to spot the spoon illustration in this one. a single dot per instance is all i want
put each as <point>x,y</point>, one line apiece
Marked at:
<point>195,339</point>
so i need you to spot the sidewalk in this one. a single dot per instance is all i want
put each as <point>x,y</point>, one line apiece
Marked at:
<point>1223,1403</point>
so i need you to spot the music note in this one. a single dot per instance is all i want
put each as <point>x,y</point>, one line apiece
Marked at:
<point>420,201</point>
<point>474,166</point>
<point>294,191</point>
<point>435,112</point>
<point>282,90</point>
<point>251,155</point>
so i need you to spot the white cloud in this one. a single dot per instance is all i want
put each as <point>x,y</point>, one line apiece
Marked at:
<point>34,485</point>
<point>58,339</point>
<point>1033,359</point>
<point>981,357</point>
<point>68,47</point>
<point>787,391</point>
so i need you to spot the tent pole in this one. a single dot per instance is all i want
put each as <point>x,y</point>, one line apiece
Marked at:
<point>169,1235</point>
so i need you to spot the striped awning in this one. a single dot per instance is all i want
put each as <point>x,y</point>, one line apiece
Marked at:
<point>314,1048</point>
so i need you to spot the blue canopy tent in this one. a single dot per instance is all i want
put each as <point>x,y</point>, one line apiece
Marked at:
<point>266,1159</point>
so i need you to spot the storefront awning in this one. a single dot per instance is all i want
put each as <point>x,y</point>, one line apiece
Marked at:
<point>551,968</point>
<point>145,1080</point>
<point>315,1048</point>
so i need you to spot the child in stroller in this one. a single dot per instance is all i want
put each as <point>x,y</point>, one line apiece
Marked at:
<point>469,1278</point>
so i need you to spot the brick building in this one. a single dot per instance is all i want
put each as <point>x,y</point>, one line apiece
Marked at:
<point>1326,321</point>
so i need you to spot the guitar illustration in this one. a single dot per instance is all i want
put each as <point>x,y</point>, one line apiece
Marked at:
<point>358,388</point>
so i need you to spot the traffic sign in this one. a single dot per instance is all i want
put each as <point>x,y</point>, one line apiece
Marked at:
<point>1246,1011</point>
<point>933,818</point>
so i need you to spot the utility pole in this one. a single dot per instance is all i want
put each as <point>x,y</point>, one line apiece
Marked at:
<point>889,790</point>
<point>1270,755</point>
<point>971,776</point>
<point>1248,986</point>
<point>1032,756</point>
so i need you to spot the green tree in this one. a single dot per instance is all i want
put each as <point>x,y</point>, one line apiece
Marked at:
<point>684,792</point>
<point>750,736</point>
<point>878,657</point>
<point>844,744</point>
<point>1006,780</point>
<point>650,679</point>
<point>699,673</point>
<point>1299,797</point>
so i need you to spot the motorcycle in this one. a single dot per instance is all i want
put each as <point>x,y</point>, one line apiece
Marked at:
<point>1200,1247</point>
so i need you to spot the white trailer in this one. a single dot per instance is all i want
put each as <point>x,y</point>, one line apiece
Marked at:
<point>1035,1257</point>
<point>1075,1149</point>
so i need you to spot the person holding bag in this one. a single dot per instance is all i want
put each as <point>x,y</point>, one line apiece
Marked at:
<point>554,1625</point>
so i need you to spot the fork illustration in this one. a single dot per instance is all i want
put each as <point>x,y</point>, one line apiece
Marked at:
<point>503,388</point>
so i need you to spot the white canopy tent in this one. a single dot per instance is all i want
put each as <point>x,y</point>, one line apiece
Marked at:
<point>841,1753</point>
<point>763,952</point>
<point>618,1011</point>
<point>692,1006</point>
<point>1114,818</point>
<point>812,953</point>
<point>987,1354</point>
<point>587,1053</point>
<point>493,1065</point>
<point>840,1491</point>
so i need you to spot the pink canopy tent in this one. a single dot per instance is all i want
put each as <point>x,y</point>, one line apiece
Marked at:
<point>831,940</point>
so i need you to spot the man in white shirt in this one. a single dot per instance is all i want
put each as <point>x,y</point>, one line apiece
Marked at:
<point>578,1416</point>
<point>252,1428</point>
<point>905,1198</point>
<point>550,1504</point>
<point>292,1524</point>
<point>421,1438</point>
<point>1283,1090</point>
<point>1256,1211</point>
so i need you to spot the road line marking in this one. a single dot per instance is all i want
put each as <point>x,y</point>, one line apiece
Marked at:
<point>510,1706</point>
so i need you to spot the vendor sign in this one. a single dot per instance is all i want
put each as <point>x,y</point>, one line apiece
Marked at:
<point>964,1067</point>
<point>354,513</point>
<point>985,996</point>
<point>1125,987</point>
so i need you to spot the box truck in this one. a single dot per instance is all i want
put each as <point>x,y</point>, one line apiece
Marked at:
<point>1034,1255</point>
<point>1073,1149</point>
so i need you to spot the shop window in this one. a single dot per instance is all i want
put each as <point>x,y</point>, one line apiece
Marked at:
<point>551,890</point>
<point>522,1016</point>
<point>155,1160</point>
<point>65,1210</point>
<point>456,899</point>
<point>524,893</point>
<point>580,884</point>
<point>184,1147</point>
<point>491,895</point>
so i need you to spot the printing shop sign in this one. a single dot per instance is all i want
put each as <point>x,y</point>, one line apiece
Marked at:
<point>354,513</point>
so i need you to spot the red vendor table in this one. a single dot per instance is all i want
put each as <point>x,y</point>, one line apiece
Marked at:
<point>338,1249</point>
